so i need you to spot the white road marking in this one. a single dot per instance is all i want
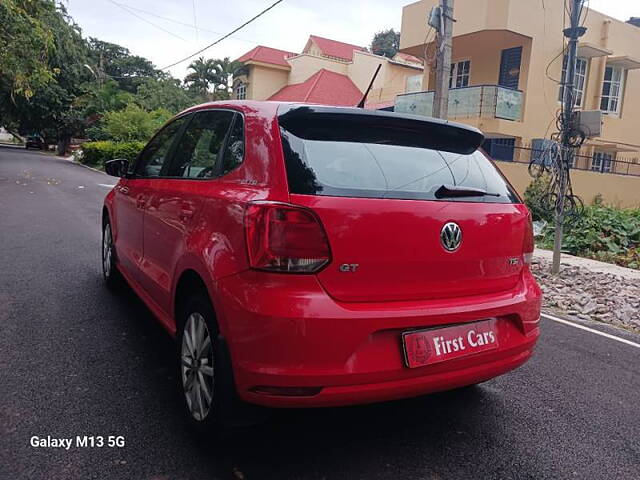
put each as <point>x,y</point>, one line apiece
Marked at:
<point>105,185</point>
<point>80,186</point>
<point>592,330</point>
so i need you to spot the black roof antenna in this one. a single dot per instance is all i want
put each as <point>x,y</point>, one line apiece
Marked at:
<point>364,97</point>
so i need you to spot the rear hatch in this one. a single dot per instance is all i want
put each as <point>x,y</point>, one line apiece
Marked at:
<point>411,209</point>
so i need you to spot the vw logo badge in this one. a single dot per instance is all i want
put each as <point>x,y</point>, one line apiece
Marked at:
<point>451,236</point>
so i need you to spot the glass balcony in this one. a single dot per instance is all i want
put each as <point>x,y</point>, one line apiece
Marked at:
<point>488,101</point>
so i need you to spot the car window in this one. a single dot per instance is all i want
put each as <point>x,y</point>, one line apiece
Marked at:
<point>200,149</point>
<point>387,167</point>
<point>234,152</point>
<point>154,155</point>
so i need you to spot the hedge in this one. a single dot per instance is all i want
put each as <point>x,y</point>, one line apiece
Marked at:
<point>96,153</point>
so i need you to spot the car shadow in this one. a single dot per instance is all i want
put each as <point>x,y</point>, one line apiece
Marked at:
<point>398,439</point>
<point>358,440</point>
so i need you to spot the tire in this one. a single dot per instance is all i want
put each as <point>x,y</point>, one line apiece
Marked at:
<point>215,408</point>
<point>198,370</point>
<point>112,277</point>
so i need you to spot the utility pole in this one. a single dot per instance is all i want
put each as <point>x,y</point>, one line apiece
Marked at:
<point>574,32</point>
<point>443,60</point>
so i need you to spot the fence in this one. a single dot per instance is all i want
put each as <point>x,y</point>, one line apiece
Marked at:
<point>618,190</point>
<point>601,162</point>
<point>487,101</point>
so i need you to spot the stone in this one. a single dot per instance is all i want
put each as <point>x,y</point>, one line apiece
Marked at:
<point>590,295</point>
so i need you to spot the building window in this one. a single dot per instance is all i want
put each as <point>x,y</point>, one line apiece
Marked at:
<point>500,148</point>
<point>459,75</point>
<point>241,91</point>
<point>601,162</point>
<point>612,90</point>
<point>579,82</point>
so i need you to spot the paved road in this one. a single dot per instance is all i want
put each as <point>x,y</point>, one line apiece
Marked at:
<point>77,360</point>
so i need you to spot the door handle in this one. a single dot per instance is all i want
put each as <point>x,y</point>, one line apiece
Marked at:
<point>186,212</point>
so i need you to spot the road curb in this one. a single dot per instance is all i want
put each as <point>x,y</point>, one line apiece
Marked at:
<point>589,264</point>
<point>71,160</point>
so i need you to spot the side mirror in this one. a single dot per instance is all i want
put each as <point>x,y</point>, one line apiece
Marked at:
<point>117,168</point>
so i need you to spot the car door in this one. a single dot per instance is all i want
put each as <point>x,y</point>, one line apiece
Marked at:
<point>176,200</point>
<point>132,195</point>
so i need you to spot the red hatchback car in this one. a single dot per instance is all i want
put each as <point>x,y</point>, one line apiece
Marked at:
<point>308,256</point>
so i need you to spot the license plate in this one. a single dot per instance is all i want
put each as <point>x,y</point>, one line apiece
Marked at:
<point>425,347</point>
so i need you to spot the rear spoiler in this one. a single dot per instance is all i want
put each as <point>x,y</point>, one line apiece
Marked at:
<point>349,124</point>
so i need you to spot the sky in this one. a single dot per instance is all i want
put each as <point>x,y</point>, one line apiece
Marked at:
<point>165,31</point>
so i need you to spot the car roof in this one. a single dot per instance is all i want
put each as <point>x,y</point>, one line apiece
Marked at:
<point>269,108</point>
<point>262,108</point>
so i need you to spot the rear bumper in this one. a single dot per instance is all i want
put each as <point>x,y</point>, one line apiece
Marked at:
<point>286,331</point>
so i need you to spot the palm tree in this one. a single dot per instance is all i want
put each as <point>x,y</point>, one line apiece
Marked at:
<point>226,70</point>
<point>204,73</point>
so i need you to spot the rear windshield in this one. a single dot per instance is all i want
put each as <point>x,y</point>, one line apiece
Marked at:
<point>385,168</point>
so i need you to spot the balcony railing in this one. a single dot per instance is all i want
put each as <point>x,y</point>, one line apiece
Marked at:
<point>487,101</point>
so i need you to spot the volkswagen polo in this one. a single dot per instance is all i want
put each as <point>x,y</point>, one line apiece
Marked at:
<point>308,256</point>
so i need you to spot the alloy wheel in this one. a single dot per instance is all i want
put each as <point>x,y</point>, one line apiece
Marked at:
<point>107,251</point>
<point>197,366</point>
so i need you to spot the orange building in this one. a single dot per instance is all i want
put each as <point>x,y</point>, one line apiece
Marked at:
<point>328,72</point>
<point>506,69</point>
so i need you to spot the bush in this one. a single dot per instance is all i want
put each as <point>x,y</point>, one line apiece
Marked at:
<point>133,123</point>
<point>95,133</point>
<point>537,199</point>
<point>604,233</point>
<point>96,153</point>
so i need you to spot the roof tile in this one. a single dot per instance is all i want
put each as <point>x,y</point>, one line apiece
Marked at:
<point>324,87</point>
<point>333,48</point>
<point>267,55</point>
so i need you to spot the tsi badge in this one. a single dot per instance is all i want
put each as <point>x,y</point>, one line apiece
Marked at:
<point>349,267</point>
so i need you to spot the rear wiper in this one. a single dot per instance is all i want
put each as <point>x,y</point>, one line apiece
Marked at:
<point>450,191</point>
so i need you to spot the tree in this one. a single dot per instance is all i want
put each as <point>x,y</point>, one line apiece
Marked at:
<point>109,60</point>
<point>100,98</point>
<point>204,74</point>
<point>55,83</point>
<point>133,123</point>
<point>386,43</point>
<point>26,41</point>
<point>227,69</point>
<point>165,93</point>
<point>49,108</point>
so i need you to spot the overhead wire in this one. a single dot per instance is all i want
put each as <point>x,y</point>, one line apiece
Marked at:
<point>188,57</point>
<point>551,161</point>
<point>586,14</point>
<point>195,23</point>
<point>427,40</point>
<point>550,108</point>
<point>128,10</point>
<point>185,24</point>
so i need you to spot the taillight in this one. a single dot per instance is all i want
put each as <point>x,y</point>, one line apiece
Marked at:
<point>285,238</point>
<point>528,244</point>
